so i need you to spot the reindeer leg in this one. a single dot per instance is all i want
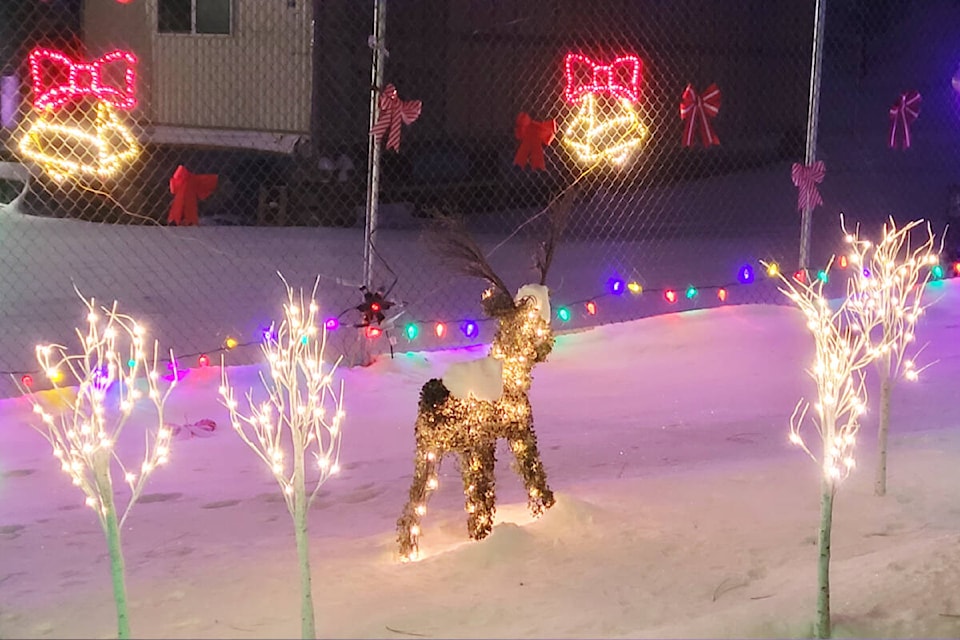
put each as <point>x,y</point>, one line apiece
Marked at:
<point>425,475</point>
<point>477,468</point>
<point>523,443</point>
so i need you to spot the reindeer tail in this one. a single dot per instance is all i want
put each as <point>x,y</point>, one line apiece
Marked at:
<point>433,394</point>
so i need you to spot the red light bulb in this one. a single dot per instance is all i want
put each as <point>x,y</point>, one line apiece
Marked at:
<point>592,308</point>
<point>375,306</point>
<point>800,276</point>
<point>722,295</point>
<point>203,360</point>
<point>440,329</point>
<point>27,380</point>
<point>670,296</point>
<point>842,262</point>
<point>373,332</point>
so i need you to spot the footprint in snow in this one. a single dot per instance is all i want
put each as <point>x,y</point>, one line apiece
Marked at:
<point>220,504</point>
<point>18,473</point>
<point>149,498</point>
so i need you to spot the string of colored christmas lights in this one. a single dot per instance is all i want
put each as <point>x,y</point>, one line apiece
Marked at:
<point>564,312</point>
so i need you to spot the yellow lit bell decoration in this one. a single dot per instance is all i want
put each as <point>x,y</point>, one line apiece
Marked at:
<point>606,126</point>
<point>64,141</point>
<point>65,150</point>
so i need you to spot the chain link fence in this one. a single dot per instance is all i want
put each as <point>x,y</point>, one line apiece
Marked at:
<point>674,219</point>
<point>176,154</point>
<point>875,53</point>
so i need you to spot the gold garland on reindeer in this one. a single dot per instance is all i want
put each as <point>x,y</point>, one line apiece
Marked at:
<point>470,425</point>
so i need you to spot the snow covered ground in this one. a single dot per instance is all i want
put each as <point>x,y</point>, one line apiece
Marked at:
<point>197,286</point>
<point>682,509</point>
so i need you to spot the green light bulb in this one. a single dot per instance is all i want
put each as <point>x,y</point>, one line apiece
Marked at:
<point>411,331</point>
<point>691,292</point>
<point>564,314</point>
<point>937,272</point>
<point>822,276</point>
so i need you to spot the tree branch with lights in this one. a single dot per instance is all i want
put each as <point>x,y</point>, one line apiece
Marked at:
<point>299,420</point>
<point>886,303</point>
<point>842,354</point>
<point>112,375</point>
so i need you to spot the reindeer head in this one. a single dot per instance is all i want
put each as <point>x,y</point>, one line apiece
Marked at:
<point>524,333</point>
<point>523,336</point>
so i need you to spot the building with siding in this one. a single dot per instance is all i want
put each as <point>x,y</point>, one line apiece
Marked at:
<point>229,72</point>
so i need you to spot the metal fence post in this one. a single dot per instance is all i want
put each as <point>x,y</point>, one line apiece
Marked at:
<point>813,121</point>
<point>660,217</point>
<point>373,156</point>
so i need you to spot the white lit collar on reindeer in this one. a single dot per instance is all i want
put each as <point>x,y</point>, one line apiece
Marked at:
<point>483,379</point>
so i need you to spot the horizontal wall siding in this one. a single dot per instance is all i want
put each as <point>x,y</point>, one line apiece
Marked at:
<point>258,78</point>
<point>108,25</point>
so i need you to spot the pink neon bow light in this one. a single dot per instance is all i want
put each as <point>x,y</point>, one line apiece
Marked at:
<point>620,78</point>
<point>82,79</point>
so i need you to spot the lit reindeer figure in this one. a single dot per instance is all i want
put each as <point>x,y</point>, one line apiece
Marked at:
<point>476,403</point>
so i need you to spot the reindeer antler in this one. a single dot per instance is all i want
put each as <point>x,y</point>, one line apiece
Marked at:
<point>451,240</point>
<point>558,213</point>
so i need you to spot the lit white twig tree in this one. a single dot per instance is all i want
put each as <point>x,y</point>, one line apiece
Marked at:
<point>887,301</point>
<point>300,418</point>
<point>112,375</point>
<point>842,353</point>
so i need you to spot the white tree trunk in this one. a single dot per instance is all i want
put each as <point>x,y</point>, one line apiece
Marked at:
<point>822,628</point>
<point>886,390</point>
<point>308,629</point>
<point>111,528</point>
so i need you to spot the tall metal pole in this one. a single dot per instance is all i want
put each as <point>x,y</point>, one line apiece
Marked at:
<point>813,122</point>
<point>318,65</point>
<point>374,149</point>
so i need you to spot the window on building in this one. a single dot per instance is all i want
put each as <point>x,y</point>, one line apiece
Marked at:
<point>193,16</point>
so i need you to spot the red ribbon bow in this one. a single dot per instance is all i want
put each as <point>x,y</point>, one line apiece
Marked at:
<point>806,178</point>
<point>533,135</point>
<point>903,112</point>
<point>82,79</point>
<point>203,428</point>
<point>393,111</point>
<point>698,111</point>
<point>187,189</point>
<point>620,78</point>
